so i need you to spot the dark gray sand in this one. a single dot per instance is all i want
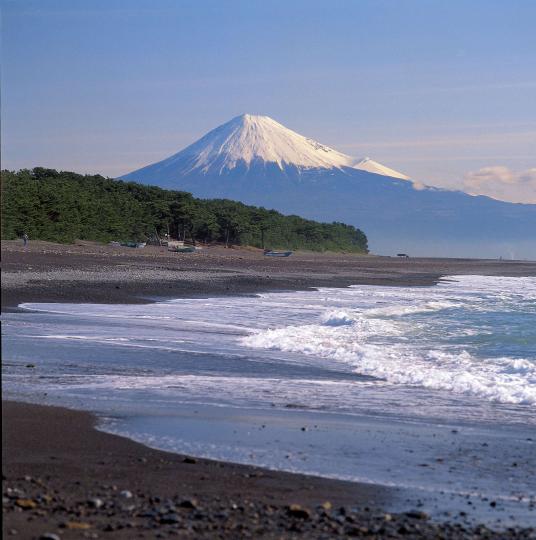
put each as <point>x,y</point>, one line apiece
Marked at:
<point>64,478</point>
<point>90,272</point>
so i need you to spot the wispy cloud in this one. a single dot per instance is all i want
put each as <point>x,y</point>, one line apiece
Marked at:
<point>502,183</point>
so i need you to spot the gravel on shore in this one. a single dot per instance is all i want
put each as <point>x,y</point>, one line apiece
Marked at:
<point>63,479</point>
<point>96,273</point>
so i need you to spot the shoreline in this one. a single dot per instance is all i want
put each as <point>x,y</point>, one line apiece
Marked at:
<point>63,476</point>
<point>90,272</point>
<point>64,454</point>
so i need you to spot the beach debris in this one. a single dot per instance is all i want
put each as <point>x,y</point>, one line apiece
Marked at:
<point>26,504</point>
<point>298,511</point>
<point>75,525</point>
<point>49,536</point>
<point>126,494</point>
<point>30,366</point>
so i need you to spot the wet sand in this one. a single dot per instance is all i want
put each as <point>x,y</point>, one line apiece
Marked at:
<point>63,477</point>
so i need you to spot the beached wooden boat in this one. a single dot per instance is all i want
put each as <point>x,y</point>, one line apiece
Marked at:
<point>183,249</point>
<point>178,246</point>
<point>272,253</point>
<point>134,244</point>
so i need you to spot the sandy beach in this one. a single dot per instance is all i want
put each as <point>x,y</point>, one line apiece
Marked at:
<point>63,477</point>
<point>91,272</point>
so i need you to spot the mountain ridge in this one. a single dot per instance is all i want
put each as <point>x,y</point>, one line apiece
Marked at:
<point>258,161</point>
<point>248,139</point>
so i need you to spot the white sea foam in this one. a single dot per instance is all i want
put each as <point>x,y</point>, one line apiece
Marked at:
<point>505,380</point>
<point>383,342</point>
<point>369,370</point>
<point>394,311</point>
<point>470,335</point>
<point>337,318</point>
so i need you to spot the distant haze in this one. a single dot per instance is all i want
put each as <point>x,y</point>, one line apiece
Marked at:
<point>442,91</point>
<point>257,160</point>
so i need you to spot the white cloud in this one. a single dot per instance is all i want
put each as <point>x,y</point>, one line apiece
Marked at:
<point>502,183</point>
<point>419,186</point>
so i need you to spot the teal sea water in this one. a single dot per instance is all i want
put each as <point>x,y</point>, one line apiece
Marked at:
<point>364,383</point>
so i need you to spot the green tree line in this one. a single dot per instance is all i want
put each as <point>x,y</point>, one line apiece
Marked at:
<point>65,206</point>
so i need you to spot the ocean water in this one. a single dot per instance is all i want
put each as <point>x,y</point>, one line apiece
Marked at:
<point>414,387</point>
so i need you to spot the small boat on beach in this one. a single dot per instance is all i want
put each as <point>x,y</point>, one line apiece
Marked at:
<point>137,245</point>
<point>272,253</point>
<point>184,249</point>
<point>181,247</point>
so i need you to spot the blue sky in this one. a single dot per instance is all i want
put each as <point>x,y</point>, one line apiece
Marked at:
<point>442,91</point>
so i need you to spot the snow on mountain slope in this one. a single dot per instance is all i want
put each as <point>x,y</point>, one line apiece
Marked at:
<point>255,160</point>
<point>369,165</point>
<point>250,139</point>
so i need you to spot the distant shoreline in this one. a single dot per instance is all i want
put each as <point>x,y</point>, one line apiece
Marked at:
<point>89,272</point>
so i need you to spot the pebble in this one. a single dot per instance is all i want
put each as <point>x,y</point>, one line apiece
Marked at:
<point>298,511</point>
<point>125,494</point>
<point>188,503</point>
<point>95,502</point>
<point>26,504</point>
<point>416,514</point>
<point>170,519</point>
<point>49,536</point>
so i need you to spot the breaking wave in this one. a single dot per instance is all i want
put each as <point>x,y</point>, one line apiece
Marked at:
<point>406,343</point>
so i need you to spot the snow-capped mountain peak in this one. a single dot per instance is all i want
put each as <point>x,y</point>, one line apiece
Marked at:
<point>251,140</point>
<point>248,138</point>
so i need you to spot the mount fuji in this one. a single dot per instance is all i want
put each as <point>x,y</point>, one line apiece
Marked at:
<point>256,160</point>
